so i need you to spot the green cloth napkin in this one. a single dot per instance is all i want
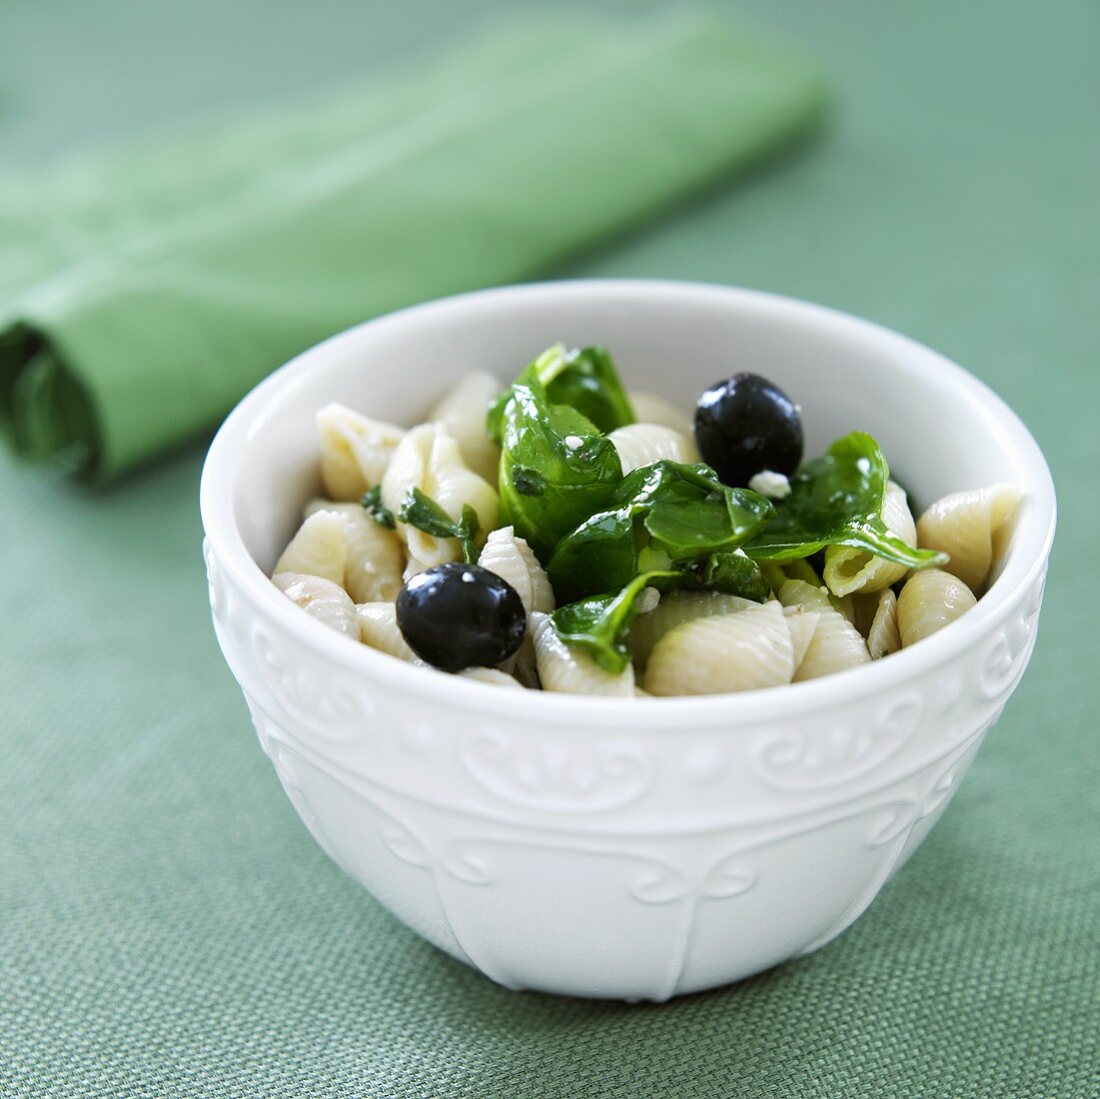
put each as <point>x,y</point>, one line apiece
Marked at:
<point>148,290</point>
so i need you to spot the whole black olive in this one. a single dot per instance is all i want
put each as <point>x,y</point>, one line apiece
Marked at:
<point>747,424</point>
<point>459,616</point>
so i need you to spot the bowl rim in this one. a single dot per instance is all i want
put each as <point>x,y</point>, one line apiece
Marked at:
<point>1023,567</point>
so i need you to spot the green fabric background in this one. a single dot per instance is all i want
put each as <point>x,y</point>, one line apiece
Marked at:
<point>168,929</point>
<point>144,291</point>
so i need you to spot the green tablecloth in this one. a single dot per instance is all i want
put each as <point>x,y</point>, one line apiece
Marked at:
<point>168,929</point>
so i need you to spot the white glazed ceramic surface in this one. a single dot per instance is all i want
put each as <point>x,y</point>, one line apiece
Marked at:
<point>621,848</point>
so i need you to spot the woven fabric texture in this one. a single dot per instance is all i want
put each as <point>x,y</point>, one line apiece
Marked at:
<point>167,927</point>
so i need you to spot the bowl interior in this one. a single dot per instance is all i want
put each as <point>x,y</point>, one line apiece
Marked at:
<point>941,430</point>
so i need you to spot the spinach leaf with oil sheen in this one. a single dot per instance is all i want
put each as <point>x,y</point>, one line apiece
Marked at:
<point>584,379</point>
<point>556,467</point>
<point>666,515</point>
<point>598,624</point>
<point>732,572</point>
<point>837,500</point>
<point>421,511</point>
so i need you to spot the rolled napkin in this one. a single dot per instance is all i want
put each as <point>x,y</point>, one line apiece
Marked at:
<point>146,290</point>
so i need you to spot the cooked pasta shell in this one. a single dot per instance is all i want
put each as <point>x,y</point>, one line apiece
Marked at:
<point>883,637</point>
<point>930,600</point>
<point>642,444</point>
<point>319,548</point>
<point>463,410</point>
<point>321,599</point>
<point>802,624</point>
<point>512,559</point>
<point>648,408</point>
<point>355,450</point>
<point>377,625</point>
<point>375,555</point>
<point>849,570</point>
<point>845,606</point>
<point>673,610</point>
<point>972,528</point>
<point>864,607</point>
<point>566,669</point>
<point>428,458</point>
<point>490,675</point>
<point>836,644</point>
<point>730,652</point>
<point>524,665</point>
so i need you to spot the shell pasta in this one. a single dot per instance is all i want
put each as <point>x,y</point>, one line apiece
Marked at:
<point>727,652</point>
<point>428,459</point>
<point>461,411</point>
<point>651,409</point>
<point>564,668</point>
<point>674,610</point>
<point>374,557</point>
<point>560,533</point>
<point>377,625</point>
<point>511,558</point>
<point>883,636</point>
<point>849,570</point>
<point>971,528</point>
<point>320,548</point>
<point>929,601</point>
<point>355,451</point>
<point>643,444</point>
<point>835,644</point>
<point>321,599</point>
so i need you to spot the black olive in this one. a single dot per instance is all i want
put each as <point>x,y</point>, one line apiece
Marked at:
<point>459,616</point>
<point>745,425</point>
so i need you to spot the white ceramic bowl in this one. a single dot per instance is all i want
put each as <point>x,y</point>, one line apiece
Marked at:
<point>621,848</point>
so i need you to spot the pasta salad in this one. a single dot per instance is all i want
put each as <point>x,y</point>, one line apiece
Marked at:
<point>563,534</point>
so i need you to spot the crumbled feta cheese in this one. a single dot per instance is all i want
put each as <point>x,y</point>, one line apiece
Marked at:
<point>647,601</point>
<point>771,484</point>
<point>573,441</point>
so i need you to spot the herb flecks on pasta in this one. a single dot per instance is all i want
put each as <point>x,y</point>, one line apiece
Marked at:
<point>421,511</point>
<point>560,534</point>
<point>372,502</point>
<point>428,459</point>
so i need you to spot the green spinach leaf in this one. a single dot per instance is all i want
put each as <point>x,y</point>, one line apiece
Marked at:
<point>837,500</point>
<point>599,623</point>
<point>584,379</point>
<point>589,383</point>
<point>731,572</point>
<point>556,468</point>
<point>421,511</point>
<point>661,516</point>
<point>378,511</point>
